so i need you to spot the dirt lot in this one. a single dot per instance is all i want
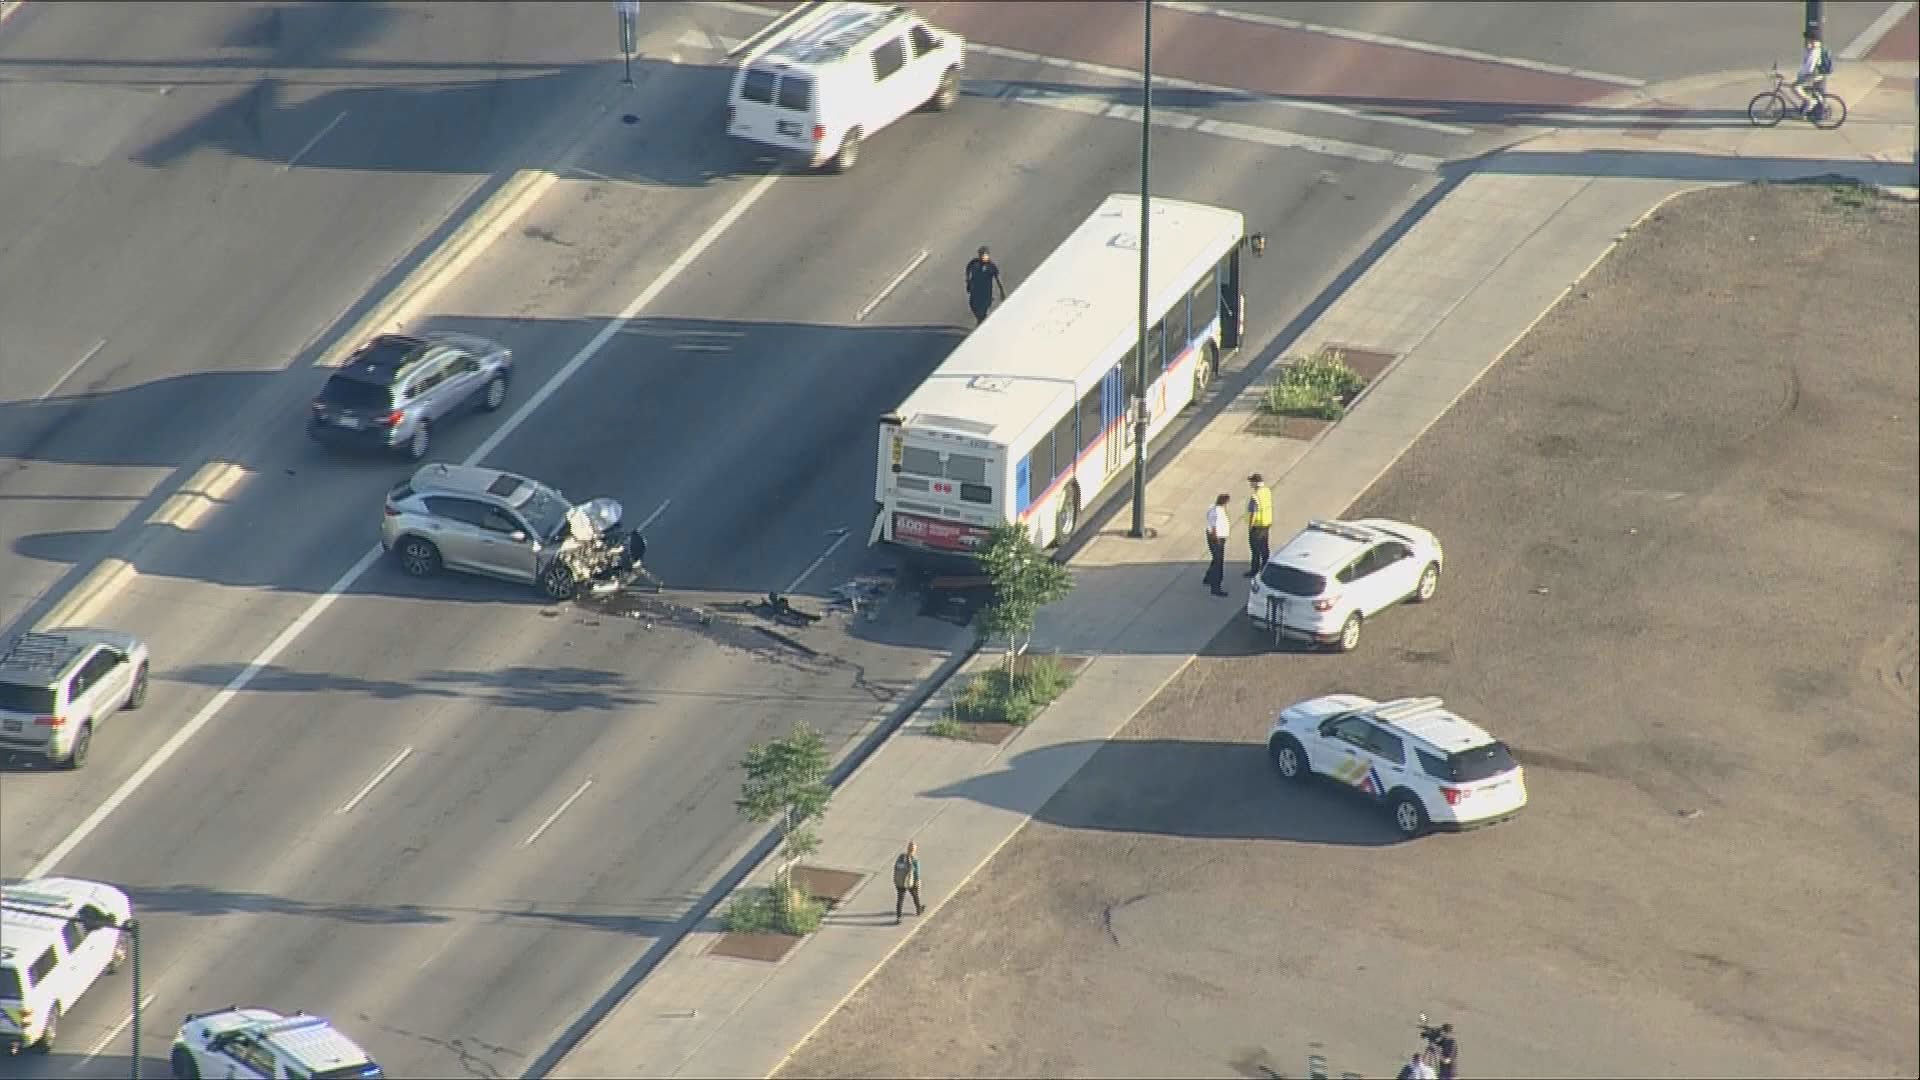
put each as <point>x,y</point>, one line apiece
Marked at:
<point>1681,525</point>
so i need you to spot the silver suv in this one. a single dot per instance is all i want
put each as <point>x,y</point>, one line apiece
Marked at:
<point>484,521</point>
<point>392,390</point>
<point>57,687</point>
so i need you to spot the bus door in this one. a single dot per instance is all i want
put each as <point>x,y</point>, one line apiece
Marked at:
<point>1233,302</point>
<point>1113,409</point>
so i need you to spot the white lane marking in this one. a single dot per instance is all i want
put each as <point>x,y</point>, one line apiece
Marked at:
<point>199,720</point>
<point>405,753</point>
<point>1370,38</point>
<point>619,322</point>
<point>315,141</point>
<point>201,495</point>
<point>890,286</point>
<point>555,816</point>
<point>114,1033</point>
<point>1876,30</point>
<point>1097,105</point>
<point>1131,78</point>
<point>1231,93</point>
<point>653,516</point>
<point>815,564</point>
<point>77,365</point>
<point>325,600</point>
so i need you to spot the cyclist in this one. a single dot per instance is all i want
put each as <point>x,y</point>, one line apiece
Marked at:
<point>1815,65</point>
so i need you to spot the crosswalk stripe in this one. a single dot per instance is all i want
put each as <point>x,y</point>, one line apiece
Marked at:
<point>1367,37</point>
<point>1098,105</point>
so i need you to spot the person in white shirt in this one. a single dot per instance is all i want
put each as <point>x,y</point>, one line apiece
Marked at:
<point>1219,524</point>
<point>1815,65</point>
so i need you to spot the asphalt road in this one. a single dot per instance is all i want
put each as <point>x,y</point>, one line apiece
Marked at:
<point>1681,580</point>
<point>191,193</point>
<point>738,405</point>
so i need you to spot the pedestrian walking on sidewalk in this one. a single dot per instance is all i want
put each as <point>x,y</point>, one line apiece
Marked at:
<point>906,881</point>
<point>1218,526</point>
<point>1259,522</point>
<point>983,277</point>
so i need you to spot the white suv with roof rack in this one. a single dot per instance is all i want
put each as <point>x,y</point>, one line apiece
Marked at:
<point>822,78</point>
<point>57,687</point>
<point>58,936</point>
<point>260,1044</point>
<point>1430,767</point>
<point>1334,575</point>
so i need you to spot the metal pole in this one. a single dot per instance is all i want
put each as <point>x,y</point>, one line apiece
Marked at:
<point>1139,528</point>
<point>1816,23</point>
<point>132,926</point>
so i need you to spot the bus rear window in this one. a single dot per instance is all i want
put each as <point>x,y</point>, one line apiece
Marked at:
<point>977,493</point>
<point>758,86</point>
<point>920,462</point>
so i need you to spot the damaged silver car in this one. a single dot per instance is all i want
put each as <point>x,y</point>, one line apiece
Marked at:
<point>485,521</point>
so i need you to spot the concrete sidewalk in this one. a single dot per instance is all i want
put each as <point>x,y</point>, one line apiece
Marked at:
<point>1477,269</point>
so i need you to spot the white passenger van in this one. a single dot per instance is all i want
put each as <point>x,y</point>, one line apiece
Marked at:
<point>826,76</point>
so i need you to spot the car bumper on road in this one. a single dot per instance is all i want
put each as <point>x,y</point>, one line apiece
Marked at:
<point>792,157</point>
<point>366,438</point>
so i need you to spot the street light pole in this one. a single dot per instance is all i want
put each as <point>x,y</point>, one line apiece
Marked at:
<point>1139,528</point>
<point>132,928</point>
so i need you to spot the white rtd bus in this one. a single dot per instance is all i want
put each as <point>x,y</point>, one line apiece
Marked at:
<point>1028,419</point>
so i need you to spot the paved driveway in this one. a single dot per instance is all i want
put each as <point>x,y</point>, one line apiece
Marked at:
<point>1680,521</point>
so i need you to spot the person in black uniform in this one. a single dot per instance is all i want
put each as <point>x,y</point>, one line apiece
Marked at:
<point>983,277</point>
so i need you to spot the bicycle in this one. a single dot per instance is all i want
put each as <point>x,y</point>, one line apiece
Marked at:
<point>1769,106</point>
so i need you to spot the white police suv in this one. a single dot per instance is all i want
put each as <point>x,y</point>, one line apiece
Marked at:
<point>1427,765</point>
<point>1334,575</point>
<point>261,1043</point>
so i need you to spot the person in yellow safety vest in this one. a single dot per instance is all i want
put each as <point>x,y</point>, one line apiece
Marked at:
<point>1259,521</point>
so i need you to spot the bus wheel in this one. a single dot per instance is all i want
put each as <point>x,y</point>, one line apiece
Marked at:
<point>1204,369</point>
<point>1067,518</point>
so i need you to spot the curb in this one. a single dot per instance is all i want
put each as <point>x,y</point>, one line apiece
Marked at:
<point>747,860</point>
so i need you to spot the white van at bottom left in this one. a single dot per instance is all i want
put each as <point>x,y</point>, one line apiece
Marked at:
<point>58,936</point>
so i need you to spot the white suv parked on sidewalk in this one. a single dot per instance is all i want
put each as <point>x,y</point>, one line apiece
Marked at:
<point>1335,575</point>
<point>1430,767</point>
<point>822,78</point>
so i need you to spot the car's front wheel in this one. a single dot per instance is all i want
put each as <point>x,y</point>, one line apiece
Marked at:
<point>1429,584</point>
<point>558,582</point>
<point>1409,817</point>
<point>1289,760</point>
<point>418,557</point>
<point>138,695</point>
<point>183,1066</point>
